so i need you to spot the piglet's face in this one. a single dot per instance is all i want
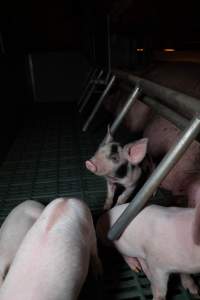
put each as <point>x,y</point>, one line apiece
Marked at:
<point>106,160</point>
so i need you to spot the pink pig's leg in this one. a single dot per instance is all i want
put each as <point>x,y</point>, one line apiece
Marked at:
<point>111,187</point>
<point>188,283</point>
<point>125,195</point>
<point>96,264</point>
<point>159,279</point>
<point>133,263</point>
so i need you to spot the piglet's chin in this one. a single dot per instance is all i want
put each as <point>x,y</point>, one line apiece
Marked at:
<point>90,166</point>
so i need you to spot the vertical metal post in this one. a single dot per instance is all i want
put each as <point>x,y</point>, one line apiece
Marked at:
<point>93,85</point>
<point>108,47</point>
<point>157,176</point>
<point>32,76</point>
<point>125,109</point>
<point>89,79</point>
<point>3,51</point>
<point>95,109</point>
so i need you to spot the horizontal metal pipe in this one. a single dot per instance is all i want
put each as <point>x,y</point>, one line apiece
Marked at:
<point>166,112</point>
<point>154,180</point>
<point>161,109</point>
<point>185,105</point>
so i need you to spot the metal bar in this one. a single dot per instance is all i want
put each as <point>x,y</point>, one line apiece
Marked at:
<point>95,109</point>
<point>166,112</point>
<point>157,176</point>
<point>127,106</point>
<point>88,82</point>
<point>3,50</point>
<point>185,105</point>
<point>32,76</point>
<point>109,46</point>
<point>93,85</point>
<point>161,109</point>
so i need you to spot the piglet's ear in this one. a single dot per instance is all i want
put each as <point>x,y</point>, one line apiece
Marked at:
<point>135,152</point>
<point>108,138</point>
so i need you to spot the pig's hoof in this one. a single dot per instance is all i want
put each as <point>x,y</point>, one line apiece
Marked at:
<point>196,296</point>
<point>107,206</point>
<point>195,291</point>
<point>98,270</point>
<point>97,267</point>
<point>136,269</point>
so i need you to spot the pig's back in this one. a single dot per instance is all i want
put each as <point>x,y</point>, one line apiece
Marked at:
<point>53,260</point>
<point>169,241</point>
<point>155,230</point>
<point>15,227</point>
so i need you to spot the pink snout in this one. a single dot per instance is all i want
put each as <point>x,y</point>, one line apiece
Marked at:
<point>90,166</point>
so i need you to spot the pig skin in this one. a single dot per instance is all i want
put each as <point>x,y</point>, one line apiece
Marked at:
<point>162,239</point>
<point>14,229</point>
<point>118,165</point>
<point>184,179</point>
<point>52,261</point>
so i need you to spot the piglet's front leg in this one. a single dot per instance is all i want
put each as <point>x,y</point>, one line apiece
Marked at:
<point>125,195</point>
<point>111,188</point>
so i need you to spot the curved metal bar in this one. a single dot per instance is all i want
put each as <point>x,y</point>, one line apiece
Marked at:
<point>154,180</point>
<point>185,105</point>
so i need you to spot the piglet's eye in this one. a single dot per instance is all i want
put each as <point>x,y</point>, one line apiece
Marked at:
<point>115,157</point>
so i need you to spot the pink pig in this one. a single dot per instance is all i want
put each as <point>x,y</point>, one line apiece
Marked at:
<point>184,178</point>
<point>14,229</point>
<point>53,259</point>
<point>164,240</point>
<point>119,165</point>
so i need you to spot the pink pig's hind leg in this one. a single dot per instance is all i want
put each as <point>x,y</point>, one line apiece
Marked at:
<point>159,280</point>
<point>133,263</point>
<point>188,283</point>
<point>111,188</point>
<point>95,261</point>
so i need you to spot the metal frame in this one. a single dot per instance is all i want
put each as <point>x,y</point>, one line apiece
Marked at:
<point>95,109</point>
<point>107,81</point>
<point>3,50</point>
<point>170,100</point>
<point>93,84</point>
<point>183,104</point>
<point>161,109</point>
<point>31,69</point>
<point>88,81</point>
<point>131,99</point>
<point>157,176</point>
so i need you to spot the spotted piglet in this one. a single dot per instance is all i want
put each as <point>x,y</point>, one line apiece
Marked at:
<point>119,165</point>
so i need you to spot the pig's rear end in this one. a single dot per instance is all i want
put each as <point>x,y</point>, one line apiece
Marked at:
<point>52,262</point>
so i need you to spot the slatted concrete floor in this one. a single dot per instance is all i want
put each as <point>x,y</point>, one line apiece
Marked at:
<point>45,161</point>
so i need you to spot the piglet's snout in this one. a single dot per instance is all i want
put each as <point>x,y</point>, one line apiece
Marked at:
<point>90,166</point>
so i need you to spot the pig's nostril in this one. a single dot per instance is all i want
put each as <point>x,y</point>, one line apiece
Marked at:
<point>90,166</point>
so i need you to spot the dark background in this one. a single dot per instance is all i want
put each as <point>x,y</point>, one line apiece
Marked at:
<point>66,38</point>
